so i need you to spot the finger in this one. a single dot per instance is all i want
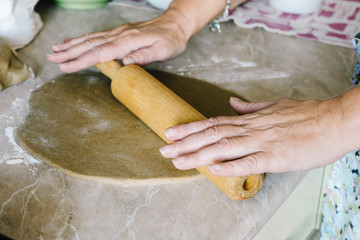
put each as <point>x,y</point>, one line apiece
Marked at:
<point>79,49</point>
<point>255,163</point>
<point>68,43</point>
<point>197,141</point>
<point>106,52</point>
<point>223,150</point>
<point>181,131</point>
<point>147,55</point>
<point>66,40</point>
<point>102,53</point>
<point>242,107</point>
<point>143,56</point>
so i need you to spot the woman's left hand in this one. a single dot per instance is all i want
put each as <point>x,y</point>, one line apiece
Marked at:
<point>277,136</point>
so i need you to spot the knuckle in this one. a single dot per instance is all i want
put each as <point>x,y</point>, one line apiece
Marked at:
<point>97,53</point>
<point>129,35</point>
<point>185,129</point>
<point>89,42</point>
<point>117,30</point>
<point>194,157</point>
<point>229,169</point>
<point>251,162</point>
<point>232,169</point>
<point>142,55</point>
<point>247,106</point>
<point>178,145</point>
<point>210,122</point>
<point>224,144</point>
<point>87,36</point>
<point>212,132</point>
<point>133,31</point>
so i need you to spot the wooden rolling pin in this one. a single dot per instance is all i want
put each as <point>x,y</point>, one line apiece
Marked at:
<point>160,108</point>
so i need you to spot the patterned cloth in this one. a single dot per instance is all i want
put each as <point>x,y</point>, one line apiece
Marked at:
<point>356,44</point>
<point>335,23</point>
<point>341,203</point>
<point>340,210</point>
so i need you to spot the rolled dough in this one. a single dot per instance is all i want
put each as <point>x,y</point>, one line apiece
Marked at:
<point>76,125</point>
<point>12,70</point>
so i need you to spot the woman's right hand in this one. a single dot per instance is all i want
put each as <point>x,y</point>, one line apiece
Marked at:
<point>140,43</point>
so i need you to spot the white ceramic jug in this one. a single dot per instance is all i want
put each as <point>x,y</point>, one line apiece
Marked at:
<point>297,6</point>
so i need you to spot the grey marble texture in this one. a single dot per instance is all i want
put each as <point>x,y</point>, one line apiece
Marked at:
<point>38,202</point>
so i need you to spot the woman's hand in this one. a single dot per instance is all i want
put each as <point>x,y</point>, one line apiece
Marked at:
<point>277,136</point>
<point>140,43</point>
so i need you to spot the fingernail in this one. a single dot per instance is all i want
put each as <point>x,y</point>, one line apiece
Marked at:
<point>166,150</point>
<point>235,99</point>
<point>170,132</point>
<point>215,167</point>
<point>178,161</point>
<point>55,47</point>
<point>64,67</point>
<point>129,60</point>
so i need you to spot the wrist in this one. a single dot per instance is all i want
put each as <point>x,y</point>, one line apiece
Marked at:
<point>349,103</point>
<point>339,121</point>
<point>184,25</point>
<point>193,15</point>
<point>236,3</point>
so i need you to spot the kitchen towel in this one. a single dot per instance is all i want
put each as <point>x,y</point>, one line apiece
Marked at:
<point>335,23</point>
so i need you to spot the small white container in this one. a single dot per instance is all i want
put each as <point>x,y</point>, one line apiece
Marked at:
<point>297,6</point>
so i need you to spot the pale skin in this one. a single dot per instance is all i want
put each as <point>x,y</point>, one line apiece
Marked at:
<point>277,136</point>
<point>158,39</point>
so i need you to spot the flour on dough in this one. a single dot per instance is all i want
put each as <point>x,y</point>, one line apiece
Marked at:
<point>76,125</point>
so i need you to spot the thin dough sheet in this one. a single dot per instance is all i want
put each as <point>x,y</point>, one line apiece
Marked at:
<point>76,125</point>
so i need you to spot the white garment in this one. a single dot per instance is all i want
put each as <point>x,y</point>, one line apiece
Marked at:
<point>19,23</point>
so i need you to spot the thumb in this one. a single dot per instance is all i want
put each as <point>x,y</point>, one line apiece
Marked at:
<point>147,55</point>
<point>141,57</point>
<point>242,107</point>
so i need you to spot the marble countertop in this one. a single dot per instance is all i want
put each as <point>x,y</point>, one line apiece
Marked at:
<point>39,202</point>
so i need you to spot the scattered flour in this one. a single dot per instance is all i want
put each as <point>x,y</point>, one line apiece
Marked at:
<point>103,125</point>
<point>93,79</point>
<point>19,104</point>
<point>232,62</point>
<point>242,64</point>
<point>14,161</point>
<point>19,155</point>
<point>8,119</point>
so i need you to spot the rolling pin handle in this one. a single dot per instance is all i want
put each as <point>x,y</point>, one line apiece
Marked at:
<point>109,68</point>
